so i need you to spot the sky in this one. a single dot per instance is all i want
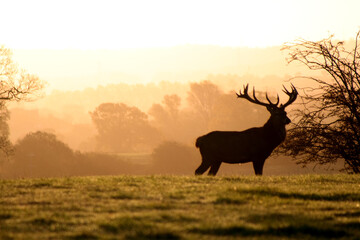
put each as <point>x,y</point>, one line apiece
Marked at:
<point>105,24</point>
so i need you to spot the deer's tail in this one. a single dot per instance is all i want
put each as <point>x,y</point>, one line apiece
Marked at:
<point>198,141</point>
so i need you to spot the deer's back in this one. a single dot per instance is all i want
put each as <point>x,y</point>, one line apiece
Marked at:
<point>235,147</point>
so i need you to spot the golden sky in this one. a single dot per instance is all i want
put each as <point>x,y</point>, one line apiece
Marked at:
<point>110,24</point>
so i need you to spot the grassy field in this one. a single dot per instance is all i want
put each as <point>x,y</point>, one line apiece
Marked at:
<point>175,207</point>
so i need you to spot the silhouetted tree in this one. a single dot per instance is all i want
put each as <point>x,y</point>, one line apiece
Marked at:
<point>15,85</point>
<point>328,125</point>
<point>41,154</point>
<point>123,129</point>
<point>5,144</point>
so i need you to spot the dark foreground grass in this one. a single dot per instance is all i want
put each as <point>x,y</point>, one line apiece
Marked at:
<point>170,207</point>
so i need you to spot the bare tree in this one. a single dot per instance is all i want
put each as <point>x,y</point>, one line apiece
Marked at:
<point>15,85</point>
<point>5,144</point>
<point>252,145</point>
<point>327,128</point>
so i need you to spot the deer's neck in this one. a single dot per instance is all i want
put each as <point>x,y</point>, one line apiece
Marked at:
<point>275,131</point>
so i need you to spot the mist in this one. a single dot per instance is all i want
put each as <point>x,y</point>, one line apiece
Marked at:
<point>140,111</point>
<point>79,69</point>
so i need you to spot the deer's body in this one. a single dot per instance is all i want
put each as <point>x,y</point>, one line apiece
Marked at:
<point>252,145</point>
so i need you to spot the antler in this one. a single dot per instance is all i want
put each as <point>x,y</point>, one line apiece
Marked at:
<point>292,96</point>
<point>255,100</point>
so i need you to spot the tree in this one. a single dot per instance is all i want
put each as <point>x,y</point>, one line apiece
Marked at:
<point>208,109</point>
<point>233,114</point>
<point>203,97</point>
<point>327,128</point>
<point>5,144</point>
<point>41,154</point>
<point>15,85</point>
<point>123,129</point>
<point>166,116</point>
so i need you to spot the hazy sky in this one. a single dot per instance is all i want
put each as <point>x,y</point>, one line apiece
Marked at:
<point>86,24</point>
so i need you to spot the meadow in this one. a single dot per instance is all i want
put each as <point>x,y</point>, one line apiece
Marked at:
<point>181,207</point>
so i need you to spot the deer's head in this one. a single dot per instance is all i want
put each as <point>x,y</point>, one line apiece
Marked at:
<point>278,115</point>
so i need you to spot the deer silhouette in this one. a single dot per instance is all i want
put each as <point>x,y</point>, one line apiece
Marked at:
<point>252,145</point>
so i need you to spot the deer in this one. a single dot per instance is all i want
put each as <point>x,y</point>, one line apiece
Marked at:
<point>252,145</point>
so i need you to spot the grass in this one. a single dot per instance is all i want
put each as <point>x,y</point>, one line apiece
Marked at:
<point>175,207</point>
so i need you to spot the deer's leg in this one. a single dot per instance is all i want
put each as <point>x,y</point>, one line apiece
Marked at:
<point>214,168</point>
<point>202,168</point>
<point>258,166</point>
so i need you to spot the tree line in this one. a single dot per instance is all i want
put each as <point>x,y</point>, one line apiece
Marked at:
<point>123,128</point>
<point>325,129</point>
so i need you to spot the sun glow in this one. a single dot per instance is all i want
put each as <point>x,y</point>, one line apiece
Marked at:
<point>38,31</point>
<point>158,23</point>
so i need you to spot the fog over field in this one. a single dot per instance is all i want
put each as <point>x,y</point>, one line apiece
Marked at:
<point>173,94</point>
<point>130,85</point>
<point>79,69</point>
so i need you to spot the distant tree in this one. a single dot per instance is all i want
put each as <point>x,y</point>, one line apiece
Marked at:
<point>41,154</point>
<point>15,85</point>
<point>172,104</point>
<point>166,116</point>
<point>233,114</point>
<point>208,108</point>
<point>123,129</point>
<point>217,110</point>
<point>203,97</point>
<point>328,126</point>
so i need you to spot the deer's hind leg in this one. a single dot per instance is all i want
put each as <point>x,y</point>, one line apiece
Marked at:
<point>214,168</point>
<point>258,167</point>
